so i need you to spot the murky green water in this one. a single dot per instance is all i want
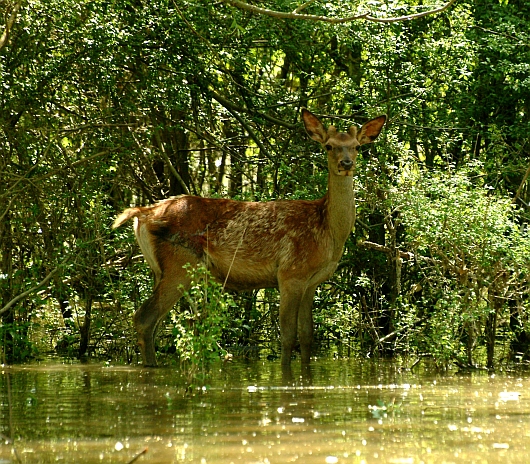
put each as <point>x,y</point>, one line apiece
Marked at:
<point>338,412</point>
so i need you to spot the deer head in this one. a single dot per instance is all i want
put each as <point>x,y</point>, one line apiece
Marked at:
<point>342,147</point>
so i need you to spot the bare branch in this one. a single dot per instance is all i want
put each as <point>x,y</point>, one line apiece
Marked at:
<point>384,249</point>
<point>170,164</point>
<point>521,185</point>
<point>232,106</point>
<point>294,15</point>
<point>303,6</point>
<point>27,292</point>
<point>366,16</point>
<point>9,25</point>
<point>411,16</point>
<point>135,458</point>
<point>251,133</point>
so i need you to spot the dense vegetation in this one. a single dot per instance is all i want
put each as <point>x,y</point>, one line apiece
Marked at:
<point>108,104</point>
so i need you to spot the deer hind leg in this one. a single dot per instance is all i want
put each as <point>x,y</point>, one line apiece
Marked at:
<point>148,317</point>
<point>169,287</point>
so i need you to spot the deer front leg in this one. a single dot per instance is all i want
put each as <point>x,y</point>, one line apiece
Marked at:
<point>291,294</point>
<point>305,324</point>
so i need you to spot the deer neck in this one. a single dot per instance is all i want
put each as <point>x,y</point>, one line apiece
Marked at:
<point>340,207</point>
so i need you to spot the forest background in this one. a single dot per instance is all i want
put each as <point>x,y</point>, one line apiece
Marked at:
<point>107,104</point>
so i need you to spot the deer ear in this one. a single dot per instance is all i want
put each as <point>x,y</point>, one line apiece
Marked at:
<point>371,130</point>
<point>314,127</point>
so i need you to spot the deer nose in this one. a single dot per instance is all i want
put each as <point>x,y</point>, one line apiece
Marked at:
<point>346,164</point>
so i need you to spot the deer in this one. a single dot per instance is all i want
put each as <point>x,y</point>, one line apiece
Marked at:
<point>291,245</point>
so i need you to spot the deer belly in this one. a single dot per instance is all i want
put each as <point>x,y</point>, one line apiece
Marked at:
<point>240,275</point>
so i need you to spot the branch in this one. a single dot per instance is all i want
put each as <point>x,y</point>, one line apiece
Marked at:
<point>401,329</point>
<point>303,6</point>
<point>294,15</point>
<point>170,164</point>
<point>521,185</point>
<point>27,292</point>
<point>366,16</point>
<point>251,133</point>
<point>9,25</point>
<point>232,106</point>
<point>385,249</point>
<point>74,164</point>
<point>138,455</point>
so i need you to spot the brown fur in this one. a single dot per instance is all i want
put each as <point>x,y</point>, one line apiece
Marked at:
<point>293,245</point>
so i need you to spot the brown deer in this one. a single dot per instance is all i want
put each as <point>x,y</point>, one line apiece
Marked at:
<point>292,245</point>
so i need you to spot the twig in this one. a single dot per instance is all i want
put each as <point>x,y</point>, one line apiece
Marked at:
<point>303,6</point>
<point>234,258</point>
<point>414,364</point>
<point>521,185</point>
<point>401,329</point>
<point>520,42</point>
<point>74,164</point>
<point>20,179</point>
<point>7,209</point>
<point>138,455</point>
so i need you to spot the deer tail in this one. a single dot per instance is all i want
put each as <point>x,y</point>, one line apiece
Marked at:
<point>127,214</point>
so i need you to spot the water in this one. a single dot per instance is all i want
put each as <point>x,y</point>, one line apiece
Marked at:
<point>336,412</point>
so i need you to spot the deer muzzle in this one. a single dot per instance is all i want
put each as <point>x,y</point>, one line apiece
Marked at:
<point>346,164</point>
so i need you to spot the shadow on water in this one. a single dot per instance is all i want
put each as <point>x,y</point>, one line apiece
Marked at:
<point>335,411</point>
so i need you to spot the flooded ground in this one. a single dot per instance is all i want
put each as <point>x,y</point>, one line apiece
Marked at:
<point>337,412</point>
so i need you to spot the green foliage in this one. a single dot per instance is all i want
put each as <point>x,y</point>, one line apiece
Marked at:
<point>472,255</point>
<point>447,214</point>
<point>107,104</point>
<point>205,319</point>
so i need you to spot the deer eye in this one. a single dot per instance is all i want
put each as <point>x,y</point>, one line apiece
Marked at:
<point>328,147</point>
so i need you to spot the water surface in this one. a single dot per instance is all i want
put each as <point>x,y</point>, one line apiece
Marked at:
<point>336,412</point>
